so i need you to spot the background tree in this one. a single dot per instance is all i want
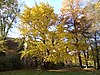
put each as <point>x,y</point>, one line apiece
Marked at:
<point>76,25</point>
<point>93,11</point>
<point>9,10</point>
<point>8,14</point>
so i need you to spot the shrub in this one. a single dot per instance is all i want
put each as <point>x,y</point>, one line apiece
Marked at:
<point>5,64</point>
<point>2,53</point>
<point>56,66</point>
<point>10,63</point>
<point>16,62</point>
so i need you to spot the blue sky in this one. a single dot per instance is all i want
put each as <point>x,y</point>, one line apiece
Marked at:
<point>55,3</point>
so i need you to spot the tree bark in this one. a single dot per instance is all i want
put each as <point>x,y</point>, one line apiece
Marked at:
<point>46,64</point>
<point>36,63</point>
<point>85,57</point>
<point>93,54</point>
<point>97,57</point>
<point>80,60</point>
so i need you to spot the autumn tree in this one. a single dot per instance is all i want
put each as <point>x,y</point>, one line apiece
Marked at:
<point>93,11</point>
<point>76,24</point>
<point>35,24</point>
<point>45,34</point>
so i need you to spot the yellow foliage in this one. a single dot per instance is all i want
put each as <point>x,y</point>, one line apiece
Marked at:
<point>97,5</point>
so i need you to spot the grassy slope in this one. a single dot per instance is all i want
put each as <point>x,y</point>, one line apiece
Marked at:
<point>30,72</point>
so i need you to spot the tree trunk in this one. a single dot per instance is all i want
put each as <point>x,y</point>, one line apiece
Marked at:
<point>36,63</point>
<point>97,57</point>
<point>80,60</point>
<point>85,57</point>
<point>46,64</point>
<point>93,54</point>
<point>94,60</point>
<point>75,59</point>
<point>79,55</point>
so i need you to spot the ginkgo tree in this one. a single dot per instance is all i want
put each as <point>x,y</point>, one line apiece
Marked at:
<point>44,43</point>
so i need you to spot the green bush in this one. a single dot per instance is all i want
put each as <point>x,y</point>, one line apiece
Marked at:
<point>56,66</point>
<point>10,63</point>
<point>5,64</point>
<point>2,53</point>
<point>16,62</point>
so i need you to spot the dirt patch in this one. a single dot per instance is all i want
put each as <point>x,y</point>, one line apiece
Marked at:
<point>89,69</point>
<point>75,69</point>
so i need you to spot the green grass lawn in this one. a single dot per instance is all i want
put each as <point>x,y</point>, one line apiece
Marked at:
<point>30,72</point>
